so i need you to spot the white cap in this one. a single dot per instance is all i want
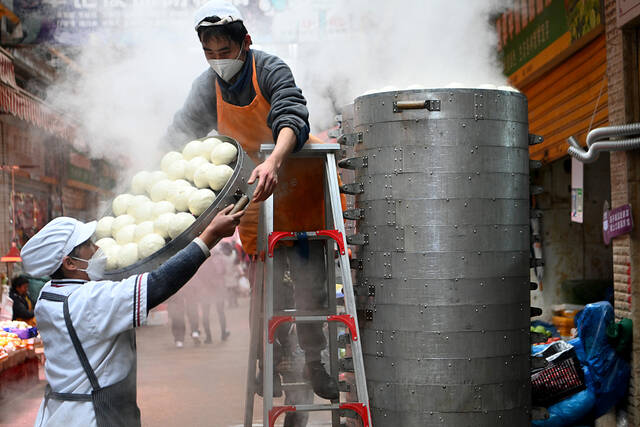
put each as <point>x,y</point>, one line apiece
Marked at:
<point>42,255</point>
<point>224,10</point>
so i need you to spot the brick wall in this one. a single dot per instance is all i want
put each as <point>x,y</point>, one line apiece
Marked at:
<point>622,74</point>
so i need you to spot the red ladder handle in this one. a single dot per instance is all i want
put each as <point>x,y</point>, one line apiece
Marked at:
<point>335,235</point>
<point>360,409</point>
<point>275,237</point>
<point>348,320</point>
<point>276,321</point>
<point>276,411</point>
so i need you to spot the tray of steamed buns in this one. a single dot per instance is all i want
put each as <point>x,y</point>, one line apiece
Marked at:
<point>166,209</point>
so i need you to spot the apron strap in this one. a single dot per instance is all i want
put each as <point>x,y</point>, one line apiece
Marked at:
<point>52,297</point>
<point>67,397</point>
<point>84,361</point>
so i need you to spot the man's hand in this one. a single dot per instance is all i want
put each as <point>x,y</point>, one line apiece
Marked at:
<point>267,172</point>
<point>224,224</point>
<point>267,175</point>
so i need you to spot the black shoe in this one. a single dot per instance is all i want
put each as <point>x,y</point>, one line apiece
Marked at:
<point>323,385</point>
<point>225,335</point>
<point>277,385</point>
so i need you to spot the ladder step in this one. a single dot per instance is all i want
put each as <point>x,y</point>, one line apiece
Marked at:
<point>276,236</point>
<point>296,386</point>
<point>347,319</point>
<point>359,408</point>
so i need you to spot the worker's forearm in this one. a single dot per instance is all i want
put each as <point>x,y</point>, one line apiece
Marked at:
<point>167,279</point>
<point>284,146</point>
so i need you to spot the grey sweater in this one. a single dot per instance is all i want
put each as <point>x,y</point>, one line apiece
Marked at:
<point>198,116</point>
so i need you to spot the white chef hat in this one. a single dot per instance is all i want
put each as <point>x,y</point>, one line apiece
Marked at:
<point>42,255</point>
<point>224,10</point>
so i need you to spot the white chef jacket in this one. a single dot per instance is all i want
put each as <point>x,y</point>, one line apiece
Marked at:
<point>104,315</point>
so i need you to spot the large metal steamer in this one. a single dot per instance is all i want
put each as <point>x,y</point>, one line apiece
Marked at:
<point>232,192</point>
<point>442,188</point>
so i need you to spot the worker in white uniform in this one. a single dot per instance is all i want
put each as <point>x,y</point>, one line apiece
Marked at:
<point>88,324</point>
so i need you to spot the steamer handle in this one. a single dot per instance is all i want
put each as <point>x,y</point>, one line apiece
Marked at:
<point>240,204</point>
<point>429,104</point>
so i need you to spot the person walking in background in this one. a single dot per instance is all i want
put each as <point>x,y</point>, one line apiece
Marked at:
<point>184,302</point>
<point>22,304</point>
<point>209,285</point>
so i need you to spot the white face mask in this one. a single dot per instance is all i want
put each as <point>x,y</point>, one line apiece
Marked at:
<point>227,68</point>
<point>96,265</point>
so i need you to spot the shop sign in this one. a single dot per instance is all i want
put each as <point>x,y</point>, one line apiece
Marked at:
<point>539,32</point>
<point>616,222</point>
<point>628,10</point>
<point>97,173</point>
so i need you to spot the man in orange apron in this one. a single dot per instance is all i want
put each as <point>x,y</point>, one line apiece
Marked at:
<point>252,97</point>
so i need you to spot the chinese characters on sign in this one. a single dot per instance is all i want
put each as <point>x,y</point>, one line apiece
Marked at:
<point>536,32</point>
<point>616,222</point>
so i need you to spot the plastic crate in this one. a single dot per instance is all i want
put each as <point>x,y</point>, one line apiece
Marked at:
<point>562,377</point>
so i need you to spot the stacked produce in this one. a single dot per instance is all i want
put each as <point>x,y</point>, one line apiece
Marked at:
<point>10,342</point>
<point>164,203</point>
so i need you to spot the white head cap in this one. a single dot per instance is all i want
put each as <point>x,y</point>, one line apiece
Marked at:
<point>224,10</point>
<point>42,255</point>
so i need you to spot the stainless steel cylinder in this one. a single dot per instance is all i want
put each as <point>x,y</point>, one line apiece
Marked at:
<point>442,189</point>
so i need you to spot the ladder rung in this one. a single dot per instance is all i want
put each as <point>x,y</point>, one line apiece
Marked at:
<point>276,236</point>
<point>296,386</point>
<point>347,319</point>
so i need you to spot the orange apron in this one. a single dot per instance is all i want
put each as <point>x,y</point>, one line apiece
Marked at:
<point>298,200</point>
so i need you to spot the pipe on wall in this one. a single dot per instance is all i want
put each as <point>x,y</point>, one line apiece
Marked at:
<point>596,143</point>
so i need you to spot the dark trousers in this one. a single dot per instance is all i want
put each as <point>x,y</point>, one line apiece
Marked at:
<point>179,304</point>
<point>308,283</point>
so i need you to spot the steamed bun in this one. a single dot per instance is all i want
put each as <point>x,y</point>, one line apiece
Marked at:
<point>127,255</point>
<point>180,223</point>
<point>200,177</point>
<point>180,198</point>
<point>154,177</point>
<point>163,206</point>
<point>103,227</point>
<point>176,169</point>
<point>161,224</point>
<point>121,203</point>
<point>200,200</point>
<point>141,209</point>
<point>142,230</point>
<point>125,234</point>
<point>160,190</point>
<point>121,221</point>
<point>149,244</point>
<point>112,252</point>
<point>193,165</point>
<point>168,159</point>
<point>140,181</point>
<point>191,150</point>
<point>218,176</point>
<point>207,147</point>
<point>223,154</point>
<point>106,242</point>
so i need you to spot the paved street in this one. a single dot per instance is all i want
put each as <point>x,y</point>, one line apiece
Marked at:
<point>194,386</point>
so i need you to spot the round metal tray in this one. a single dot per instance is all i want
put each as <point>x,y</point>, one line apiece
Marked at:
<point>233,190</point>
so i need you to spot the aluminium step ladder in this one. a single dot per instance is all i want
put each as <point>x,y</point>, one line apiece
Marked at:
<point>262,305</point>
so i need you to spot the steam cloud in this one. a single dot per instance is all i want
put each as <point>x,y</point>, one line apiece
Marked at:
<point>130,88</point>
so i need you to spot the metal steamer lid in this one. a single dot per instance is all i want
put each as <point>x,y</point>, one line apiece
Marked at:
<point>441,103</point>
<point>233,190</point>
